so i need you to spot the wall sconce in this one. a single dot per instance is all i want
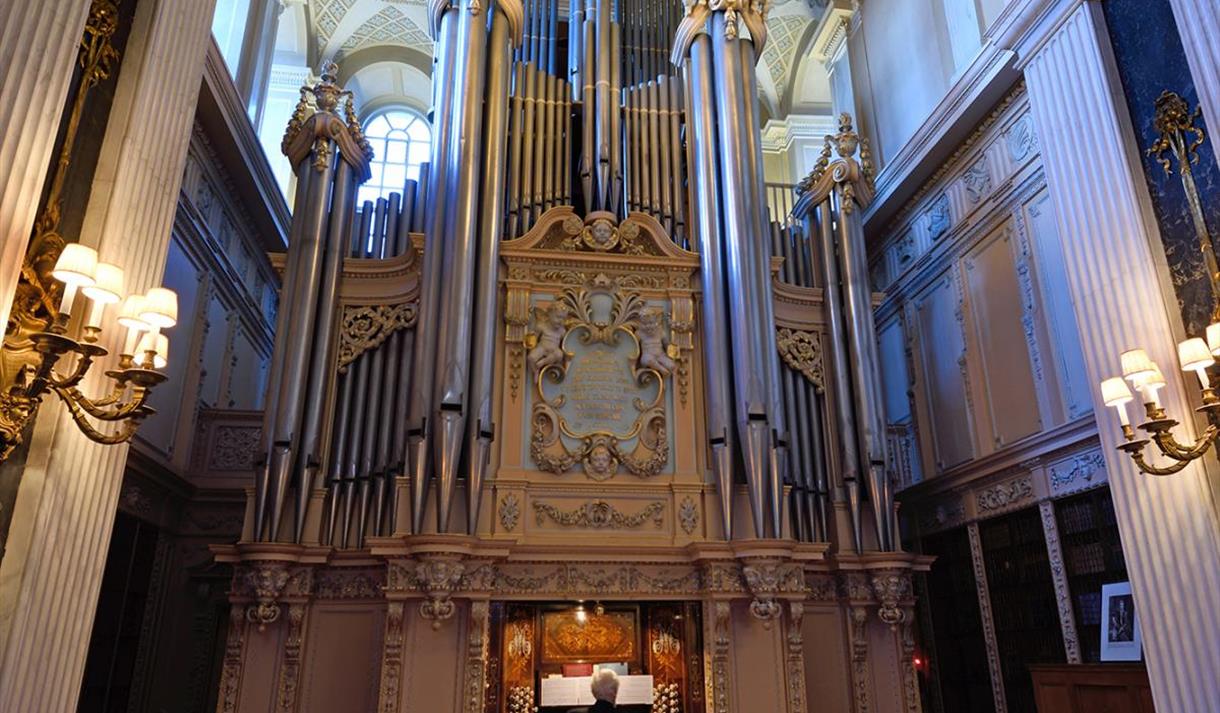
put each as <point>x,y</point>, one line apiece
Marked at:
<point>38,343</point>
<point>1174,123</point>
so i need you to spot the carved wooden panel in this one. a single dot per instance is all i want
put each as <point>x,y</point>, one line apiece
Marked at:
<point>1005,338</point>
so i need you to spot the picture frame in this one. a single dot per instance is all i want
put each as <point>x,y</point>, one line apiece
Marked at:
<point>1120,624</point>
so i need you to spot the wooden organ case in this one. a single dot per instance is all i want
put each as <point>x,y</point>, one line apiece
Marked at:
<point>577,361</point>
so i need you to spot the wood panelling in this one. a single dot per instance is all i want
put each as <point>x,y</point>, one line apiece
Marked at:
<point>941,353</point>
<point>1092,688</point>
<point>999,331</point>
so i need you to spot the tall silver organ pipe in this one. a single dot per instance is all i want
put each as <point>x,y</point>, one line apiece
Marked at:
<point>302,373</point>
<point>829,206</point>
<point>734,199</point>
<point>471,88</point>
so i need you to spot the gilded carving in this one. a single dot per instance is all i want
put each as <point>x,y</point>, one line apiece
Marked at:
<point>766,579</point>
<point>290,666</point>
<point>267,582</point>
<point>802,352</point>
<point>391,659</point>
<point>795,658</point>
<point>910,680</point>
<point>720,657</point>
<point>476,657</point>
<point>438,578</point>
<point>688,515</point>
<point>509,511</point>
<point>599,235</point>
<point>365,327</point>
<point>858,635</point>
<point>600,515</point>
<point>230,672</point>
<point>596,387</point>
<point>892,588</point>
<point>348,584</point>
<point>232,448</point>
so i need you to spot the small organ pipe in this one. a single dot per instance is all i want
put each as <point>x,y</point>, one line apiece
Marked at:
<point>665,169</point>
<point>675,150</point>
<point>358,371</point>
<point>343,418</point>
<point>550,102</point>
<point>517,134</point>
<point>614,109</point>
<point>588,155</point>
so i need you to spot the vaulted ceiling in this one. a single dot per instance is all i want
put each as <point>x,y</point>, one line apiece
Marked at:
<point>366,35</point>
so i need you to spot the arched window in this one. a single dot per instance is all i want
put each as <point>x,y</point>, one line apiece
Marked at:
<point>401,142</point>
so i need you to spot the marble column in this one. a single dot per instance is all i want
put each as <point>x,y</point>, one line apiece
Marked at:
<point>1115,265</point>
<point>38,48</point>
<point>52,570</point>
<point>1199,25</point>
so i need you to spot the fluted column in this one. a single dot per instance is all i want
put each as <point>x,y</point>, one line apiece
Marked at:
<point>1199,25</point>
<point>38,47</point>
<point>52,569</point>
<point>1169,528</point>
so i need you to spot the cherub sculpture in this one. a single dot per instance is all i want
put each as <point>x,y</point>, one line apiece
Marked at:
<point>652,346</point>
<point>551,323</point>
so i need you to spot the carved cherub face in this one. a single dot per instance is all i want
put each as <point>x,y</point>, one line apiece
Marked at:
<point>651,321</point>
<point>556,315</point>
<point>600,459</point>
<point>602,232</point>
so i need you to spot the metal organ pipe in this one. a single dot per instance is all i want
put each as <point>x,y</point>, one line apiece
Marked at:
<point>418,425</point>
<point>705,190</point>
<point>481,426</point>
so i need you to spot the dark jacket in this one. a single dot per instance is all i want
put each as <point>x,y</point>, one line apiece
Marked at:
<point>599,707</point>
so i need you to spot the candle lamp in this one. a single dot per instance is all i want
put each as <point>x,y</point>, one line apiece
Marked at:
<point>56,363</point>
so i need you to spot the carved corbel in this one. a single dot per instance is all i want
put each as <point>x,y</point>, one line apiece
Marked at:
<point>268,583</point>
<point>892,587</point>
<point>767,580</point>
<point>438,578</point>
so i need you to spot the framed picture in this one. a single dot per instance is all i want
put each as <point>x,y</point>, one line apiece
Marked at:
<point>1120,626</point>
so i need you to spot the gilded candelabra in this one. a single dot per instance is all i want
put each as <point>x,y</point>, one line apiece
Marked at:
<point>1178,137</point>
<point>36,340</point>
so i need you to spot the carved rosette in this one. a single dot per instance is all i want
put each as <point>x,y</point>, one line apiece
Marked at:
<point>438,578</point>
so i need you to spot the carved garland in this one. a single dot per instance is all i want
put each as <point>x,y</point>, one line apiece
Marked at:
<point>796,658</point>
<point>600,515</point>
<point>391,658</point>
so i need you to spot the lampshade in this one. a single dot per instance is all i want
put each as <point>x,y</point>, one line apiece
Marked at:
<point>1194,354</point>
<point>129,313</point>
<point>1114,392</point>
<point>76,265</point>
<point>107,287</point>
<point>160,308</point>
<point>160,346</point>
<point>1137,365</point>
<point>1152,380</point>
<point>1213,337</point>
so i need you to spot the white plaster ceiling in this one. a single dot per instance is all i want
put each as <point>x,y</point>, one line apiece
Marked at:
<point>343,29</point>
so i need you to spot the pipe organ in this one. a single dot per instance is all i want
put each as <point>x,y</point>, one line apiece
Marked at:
<point>586,356</point>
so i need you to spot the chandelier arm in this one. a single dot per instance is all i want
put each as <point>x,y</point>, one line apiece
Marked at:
<point>123,435</point>
<point>96,410</point>
<point>1150,469</point>
<point>82,368</point>
<point>1177,451</point>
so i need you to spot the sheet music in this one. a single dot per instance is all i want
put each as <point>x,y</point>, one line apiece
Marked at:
<point>575,691</point>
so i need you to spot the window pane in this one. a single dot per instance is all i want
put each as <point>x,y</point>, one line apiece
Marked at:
<point>397,119</point>
<point>394,176</point>
<point>419,152</point>
<point>377,127</point>
<point>396,152</point>
<point>378,149</point>
<point>375,180</point>
<point>419,131</point>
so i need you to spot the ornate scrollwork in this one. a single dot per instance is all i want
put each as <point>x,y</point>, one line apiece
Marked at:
<point>510,511</point>
<point>365,327</point>
<point>599,451</point>
<point>598,234</point>
<point>802,352</point>
<point>600,515</point>
<point>688,515</point>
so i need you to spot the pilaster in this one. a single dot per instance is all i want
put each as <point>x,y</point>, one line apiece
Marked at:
<point>1112,258</point>
<point>1199,25</point>
<point>65,508</point>
<point>38,48</point>
<point>989,640</point>
<point>1063,594</point>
